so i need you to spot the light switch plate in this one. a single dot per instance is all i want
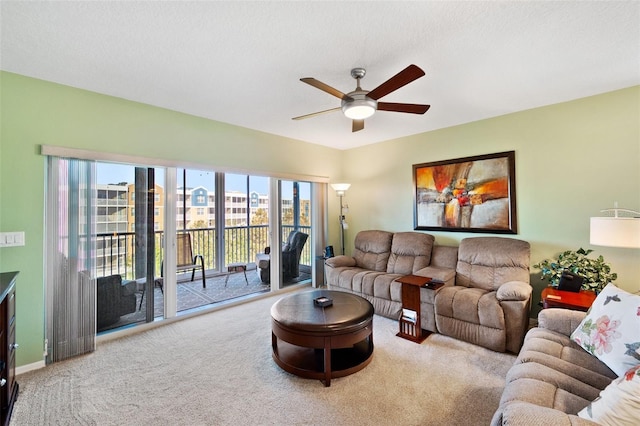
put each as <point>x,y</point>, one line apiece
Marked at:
<point>11,239</point>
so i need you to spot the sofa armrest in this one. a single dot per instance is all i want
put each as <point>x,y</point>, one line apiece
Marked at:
<point>338,261</point>
<point>563,321</point>
<point>520,413</point>
<point>514,291</point>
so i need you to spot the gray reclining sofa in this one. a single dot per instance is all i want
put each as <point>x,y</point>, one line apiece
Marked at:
<point>486,295</point>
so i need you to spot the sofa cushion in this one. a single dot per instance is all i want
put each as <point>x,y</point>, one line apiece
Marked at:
<point>471,305</point>
<point>444,257</point>
<point>611,329</point>
<point>439,274</point>
<point>385,286</point>
<point>471,314</point>
<point>349,278</point>
<point>410,252</point>
<point>372,250</point>
<point>618,403</point>
<point>362,281</point>
<point>488,262</point>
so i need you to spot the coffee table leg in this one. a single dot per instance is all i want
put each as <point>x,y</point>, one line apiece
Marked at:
<point>327,362</point>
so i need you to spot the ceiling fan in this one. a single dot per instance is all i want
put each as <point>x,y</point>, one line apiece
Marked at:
<point>361,104</point>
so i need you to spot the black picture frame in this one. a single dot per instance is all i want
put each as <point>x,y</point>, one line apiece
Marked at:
<point>469,194</point>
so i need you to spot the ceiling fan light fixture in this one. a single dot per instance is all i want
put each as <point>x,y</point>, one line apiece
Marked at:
<point>359,107</point>
<point>358,112</point>
<point>360,104</point>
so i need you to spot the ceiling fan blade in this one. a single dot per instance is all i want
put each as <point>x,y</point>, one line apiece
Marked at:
<point>313,114</point>
<point>324,87</point>
<point>404,77</point>
<point>410,108</point>
<point>357,125</point>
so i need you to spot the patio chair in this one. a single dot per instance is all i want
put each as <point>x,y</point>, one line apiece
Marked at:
<point>115,298</point>
<point>185,260</point>
<point>291,251</point>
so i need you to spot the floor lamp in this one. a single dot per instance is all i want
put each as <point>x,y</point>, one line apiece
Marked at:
<point>341,189</point>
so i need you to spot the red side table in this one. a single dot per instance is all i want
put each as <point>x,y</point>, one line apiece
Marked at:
<point>578,301</point>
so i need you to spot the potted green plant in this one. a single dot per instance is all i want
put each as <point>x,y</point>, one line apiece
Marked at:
<point>596,272</point>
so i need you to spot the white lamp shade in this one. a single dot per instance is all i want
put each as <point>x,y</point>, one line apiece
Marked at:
<point>340,186</point>
<point>615,232</point>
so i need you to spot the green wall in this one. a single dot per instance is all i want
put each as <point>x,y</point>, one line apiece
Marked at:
<point>36,112</point>
<point>572,159</point>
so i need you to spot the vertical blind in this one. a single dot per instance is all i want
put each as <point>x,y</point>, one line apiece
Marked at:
<point>70,287</point>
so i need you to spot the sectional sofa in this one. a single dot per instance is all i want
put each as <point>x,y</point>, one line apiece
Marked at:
<point>574,368</point>
<point>486,295</point>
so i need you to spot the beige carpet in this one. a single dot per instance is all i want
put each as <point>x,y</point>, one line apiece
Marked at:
<point>216,369</point>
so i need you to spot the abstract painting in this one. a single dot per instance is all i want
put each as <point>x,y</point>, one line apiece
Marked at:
<point>471,194</point>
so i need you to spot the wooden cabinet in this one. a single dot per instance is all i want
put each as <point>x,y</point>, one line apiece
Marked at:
<point>8,384</point>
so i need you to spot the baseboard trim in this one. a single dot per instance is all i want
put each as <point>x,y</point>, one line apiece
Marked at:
<point>30,367</point>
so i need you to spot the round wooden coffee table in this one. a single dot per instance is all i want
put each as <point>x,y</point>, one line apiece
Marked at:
<point>322,343</point>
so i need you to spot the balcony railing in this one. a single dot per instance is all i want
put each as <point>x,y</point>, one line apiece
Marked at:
<point>115,252</point>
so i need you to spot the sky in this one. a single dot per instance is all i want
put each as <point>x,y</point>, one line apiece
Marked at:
<point>116,173</point>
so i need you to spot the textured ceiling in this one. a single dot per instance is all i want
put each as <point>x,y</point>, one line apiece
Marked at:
<point>240,62</point>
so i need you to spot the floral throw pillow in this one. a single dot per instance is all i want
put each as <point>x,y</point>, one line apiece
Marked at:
<point>618,403</point>
<point>611,329</point>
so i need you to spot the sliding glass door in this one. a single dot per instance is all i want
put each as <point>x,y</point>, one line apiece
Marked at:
<point>129,217</point>
<point>171,240</point>
<point>196,252</point>
<point>296,233</point>
<point>213,245</point>
<point>246,233</point>
<point>221,223</point>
